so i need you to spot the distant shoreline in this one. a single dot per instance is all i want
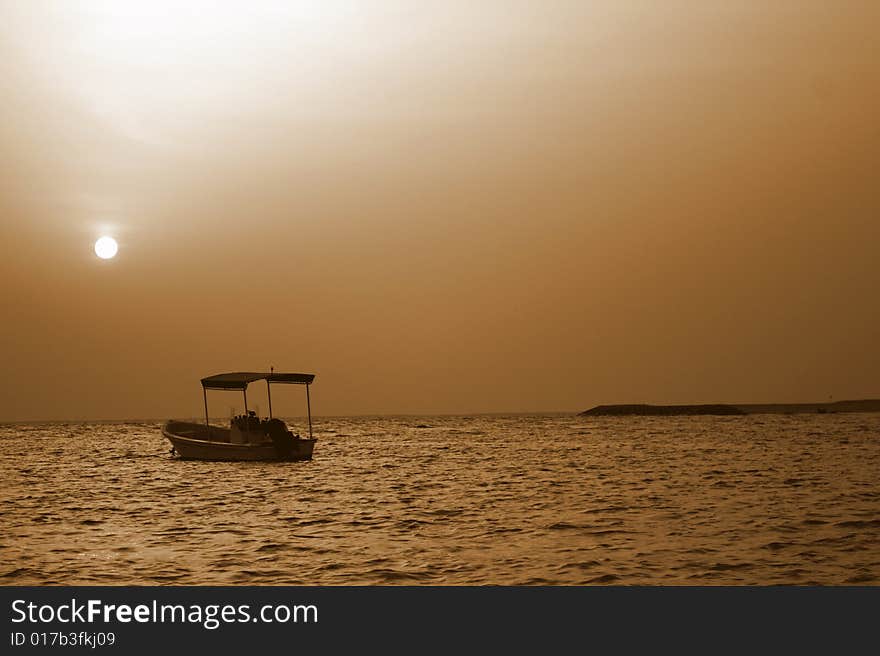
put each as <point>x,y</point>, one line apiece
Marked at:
<point>623,410</point>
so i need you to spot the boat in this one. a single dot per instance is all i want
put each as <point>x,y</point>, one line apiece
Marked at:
<point>248,437</point>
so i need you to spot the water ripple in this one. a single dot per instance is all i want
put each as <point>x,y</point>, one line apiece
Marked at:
<point>531,500</point>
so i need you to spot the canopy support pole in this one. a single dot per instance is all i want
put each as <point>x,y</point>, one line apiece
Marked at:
<point>269,392</point>
<point>205,394</point>
<point>309,406</point>
<point>244,391</point>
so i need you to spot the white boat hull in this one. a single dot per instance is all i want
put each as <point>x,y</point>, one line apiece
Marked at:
<point>200,442</point>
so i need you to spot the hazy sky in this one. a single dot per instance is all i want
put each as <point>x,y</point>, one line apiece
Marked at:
<point>438,207</point>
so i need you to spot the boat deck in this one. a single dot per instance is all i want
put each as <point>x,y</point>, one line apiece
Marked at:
<point>200,442</point>
<point>199,431</point>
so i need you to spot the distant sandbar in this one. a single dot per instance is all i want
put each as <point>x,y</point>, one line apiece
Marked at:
<point>864,405</point>
<point>654,410</point>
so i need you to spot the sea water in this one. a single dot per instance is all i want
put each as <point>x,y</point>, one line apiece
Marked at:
<point>549,499</point>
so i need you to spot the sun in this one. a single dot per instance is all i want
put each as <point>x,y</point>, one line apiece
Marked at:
<point>106,248</point>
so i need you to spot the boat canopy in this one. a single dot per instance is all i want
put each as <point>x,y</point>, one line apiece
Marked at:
<point>239,380</point>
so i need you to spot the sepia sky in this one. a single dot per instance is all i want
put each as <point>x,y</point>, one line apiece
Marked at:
<point>438,207</point>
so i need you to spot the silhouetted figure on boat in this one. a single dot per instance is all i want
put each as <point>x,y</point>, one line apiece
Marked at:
<point>281,438</point>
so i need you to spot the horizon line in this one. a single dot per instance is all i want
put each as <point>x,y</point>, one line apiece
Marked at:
<point>6,422</point>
